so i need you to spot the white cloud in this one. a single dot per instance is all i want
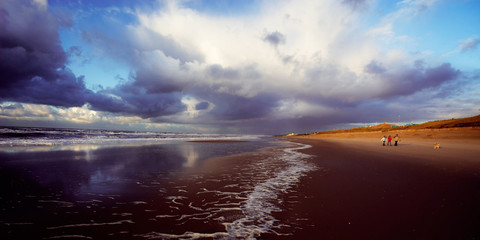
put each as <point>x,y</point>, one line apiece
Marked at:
<point>469,44</point>
<point>42,4</point>
<point>412,8</point>
<point>13,110</point>
<point>79,115</point>
<point>385,31</point>
<point>314,35</point>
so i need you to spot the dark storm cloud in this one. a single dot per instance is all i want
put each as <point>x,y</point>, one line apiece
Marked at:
<point>149,92</point>
<point>388,82</point>
<point>370,103</point>
<point>413,80</point>
<point>66,91</point>
<point>275,38</point>
<point>131,99</point>
<point>32,69</point>
<point>408,80</point>
<point>30,44</point>
<point>233,107</point>
<point>413,87</point>
<point>32,61</point>
<point>157,81</point>
<point>406,92</point>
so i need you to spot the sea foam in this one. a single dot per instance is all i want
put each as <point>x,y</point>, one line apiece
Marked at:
<point>261,203</point>
<point>255,206</point>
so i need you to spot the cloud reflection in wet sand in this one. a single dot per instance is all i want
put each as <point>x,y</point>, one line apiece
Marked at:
<point>143,191</point>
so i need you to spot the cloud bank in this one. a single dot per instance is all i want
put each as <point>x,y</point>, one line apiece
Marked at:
<point>289,66</point>
<point>32,60</point>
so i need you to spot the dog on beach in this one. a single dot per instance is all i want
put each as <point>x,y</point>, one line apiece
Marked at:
<point>436,146</point>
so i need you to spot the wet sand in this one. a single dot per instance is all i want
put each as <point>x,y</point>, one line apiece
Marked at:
<point>160,191</point>
<point>367,191</point>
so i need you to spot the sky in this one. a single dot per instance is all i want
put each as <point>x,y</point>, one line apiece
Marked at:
<point>253,66</point>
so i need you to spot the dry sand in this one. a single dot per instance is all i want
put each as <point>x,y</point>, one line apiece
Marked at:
<point>455,144</point>
<point>411,191</point>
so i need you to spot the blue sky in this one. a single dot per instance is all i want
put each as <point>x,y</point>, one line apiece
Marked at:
<point>237,66</point>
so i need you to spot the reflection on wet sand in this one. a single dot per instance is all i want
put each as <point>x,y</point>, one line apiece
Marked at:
<point>130,191</point>
<point>190,154</point>
<point>72,147</point>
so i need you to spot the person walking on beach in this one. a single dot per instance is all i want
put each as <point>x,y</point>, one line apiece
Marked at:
<point>389,143</point>
<point>384,139</point>
<point>396,139</point>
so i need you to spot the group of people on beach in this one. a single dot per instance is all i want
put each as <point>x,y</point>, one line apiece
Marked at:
<point>389,139</point>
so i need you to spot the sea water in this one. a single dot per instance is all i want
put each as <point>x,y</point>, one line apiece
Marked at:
<point>96,184</point>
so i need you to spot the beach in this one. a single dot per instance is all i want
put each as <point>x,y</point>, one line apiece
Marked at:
<point>338,186</point>
<point>409,191</point>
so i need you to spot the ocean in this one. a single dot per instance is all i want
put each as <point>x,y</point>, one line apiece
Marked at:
<point>99,184</point>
